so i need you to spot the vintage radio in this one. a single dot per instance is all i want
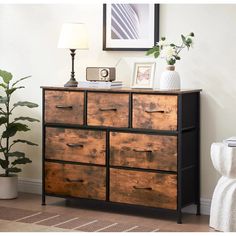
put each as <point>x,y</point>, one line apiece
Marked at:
<point>100,73</point>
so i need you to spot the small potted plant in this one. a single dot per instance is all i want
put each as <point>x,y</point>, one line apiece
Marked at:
<point>10,158</point>
<point>170,79</point>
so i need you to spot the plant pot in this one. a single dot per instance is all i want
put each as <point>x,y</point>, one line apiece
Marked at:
<point>170,79</point>
<point>8,187</point>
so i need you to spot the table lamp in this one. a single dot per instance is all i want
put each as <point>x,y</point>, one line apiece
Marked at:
<point>73,36</point>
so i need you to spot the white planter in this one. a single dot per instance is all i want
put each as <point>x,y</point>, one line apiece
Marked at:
<point>170,79</point>
<point>8,187</point>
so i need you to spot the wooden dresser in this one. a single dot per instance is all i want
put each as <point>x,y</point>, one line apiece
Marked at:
<point>130,146</point>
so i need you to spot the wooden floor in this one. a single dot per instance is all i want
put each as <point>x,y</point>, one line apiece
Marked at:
<point>115,213</point>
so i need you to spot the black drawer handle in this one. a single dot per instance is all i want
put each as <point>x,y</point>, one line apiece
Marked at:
<point>142,150</point>
<point>74,180</point>
<point>75,145</point>
<point>108,109</point>
<point>142,188</point>
<point>64,107</point>
<point>157,111</point>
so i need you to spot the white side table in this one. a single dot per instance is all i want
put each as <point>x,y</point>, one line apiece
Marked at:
<point>223,205</point>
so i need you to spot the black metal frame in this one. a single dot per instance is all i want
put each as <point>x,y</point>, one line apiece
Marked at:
<point>179,171</point>
<point>113,203</point>
<point>156,31</point>
<point>198,157</point>
<point>43,150</point>
<point>107,166</point>
<point>179,133</point>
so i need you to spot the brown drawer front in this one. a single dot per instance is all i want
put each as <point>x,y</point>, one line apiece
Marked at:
<point>75,180</point>
<point>143,188</point>
<point>155,112</point>
<point>64,107</point>
<point>108,109</point>
<point>86,146</point>
<point>143,151</point>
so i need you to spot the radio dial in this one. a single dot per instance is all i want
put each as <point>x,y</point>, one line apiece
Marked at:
<point>104,73</point>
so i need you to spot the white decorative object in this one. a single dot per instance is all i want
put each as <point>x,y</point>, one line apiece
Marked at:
<point>224,159</point>
<point>170,79</point>
<point>223,205</point>
<point>8,187</point>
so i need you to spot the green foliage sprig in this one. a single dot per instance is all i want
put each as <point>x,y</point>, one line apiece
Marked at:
<point>170,51</point>
<point>9,160</point>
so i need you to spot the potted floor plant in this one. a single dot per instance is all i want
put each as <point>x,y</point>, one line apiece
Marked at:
<point>10,157</point>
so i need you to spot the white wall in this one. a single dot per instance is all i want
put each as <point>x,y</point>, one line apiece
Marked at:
<point>28,46</point>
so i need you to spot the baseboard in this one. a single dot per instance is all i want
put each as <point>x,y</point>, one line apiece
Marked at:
<point>35,186</point>
<point>205,207</point>
<point>30,185</point>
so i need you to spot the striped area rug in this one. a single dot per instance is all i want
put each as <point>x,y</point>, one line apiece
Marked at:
<point>69,222</point>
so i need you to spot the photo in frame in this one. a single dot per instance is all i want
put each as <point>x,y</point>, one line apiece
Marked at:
<point>130,27</point>
<point>143,75</point>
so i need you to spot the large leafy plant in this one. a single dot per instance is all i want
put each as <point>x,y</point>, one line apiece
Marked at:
<point>9,159</point>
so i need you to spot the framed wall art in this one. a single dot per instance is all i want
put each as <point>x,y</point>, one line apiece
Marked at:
<point>130,27</point>
<point>143,75</point>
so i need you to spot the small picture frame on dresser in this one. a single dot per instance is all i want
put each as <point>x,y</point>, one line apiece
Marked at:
<point>143,75</point>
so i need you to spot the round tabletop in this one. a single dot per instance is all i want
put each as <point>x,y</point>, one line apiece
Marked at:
<point>224,159</point>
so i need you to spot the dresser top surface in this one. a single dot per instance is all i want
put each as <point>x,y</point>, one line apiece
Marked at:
<point>123,90</point>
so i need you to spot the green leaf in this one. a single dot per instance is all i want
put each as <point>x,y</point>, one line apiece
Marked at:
<point>157,54</point>
<point>172,45</point>
<point>3,85</point>
<point>16,154</point>
<point>183,38</point>
<point>3,100</point>
<point>26,119</point>
<point>4,163</point>
<point>189,41</point>
<point>13,128</point>
<point>25,103</point>
<point>152,50</point>
<point>14,170</point>
<point>163,38</point>
<point>191,34</point>
<point>171,61</point>
<point>3,149</point>
<point>177,57</point>
<point>20,80</point>
<point>6,76</point>
<point>12,90</point>
<point>25,141</point>
<point>21,161</point>
<point>3,120</point>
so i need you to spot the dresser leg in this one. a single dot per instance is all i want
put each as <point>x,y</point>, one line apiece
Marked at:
<point>43,200</point>
<point>179,217</point>
<point>198,209</point>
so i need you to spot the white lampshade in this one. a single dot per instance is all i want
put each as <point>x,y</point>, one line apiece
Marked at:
<point>73,36</point>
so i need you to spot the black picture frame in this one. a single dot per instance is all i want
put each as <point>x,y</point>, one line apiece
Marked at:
<point>155,32</point>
